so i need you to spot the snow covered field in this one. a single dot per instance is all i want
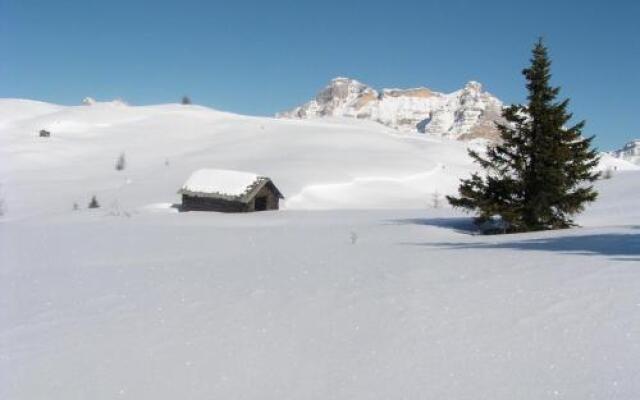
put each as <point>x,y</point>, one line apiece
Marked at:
<point>358,289</point>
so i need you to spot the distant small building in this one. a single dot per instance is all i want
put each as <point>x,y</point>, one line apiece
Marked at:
<point>45,133</point>
<point>229,191</point>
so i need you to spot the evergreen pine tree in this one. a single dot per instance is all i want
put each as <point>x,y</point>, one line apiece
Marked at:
<point>94,203</point>
<point>539,175</point>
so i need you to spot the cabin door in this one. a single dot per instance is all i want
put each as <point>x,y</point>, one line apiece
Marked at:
<point>261,203</point>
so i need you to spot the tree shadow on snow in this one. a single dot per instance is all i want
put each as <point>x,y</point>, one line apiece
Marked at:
<point>620,246</point>
<point>458,224</point>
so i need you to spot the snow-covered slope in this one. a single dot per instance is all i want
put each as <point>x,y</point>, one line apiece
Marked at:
<point>323,163</point>
<point>329,163</point>
<point>13,110</point>
<point>611,163</point>
<point>354,305</point>
<point>135,300</point>
<point>464,114</point>
<point>630,152</point>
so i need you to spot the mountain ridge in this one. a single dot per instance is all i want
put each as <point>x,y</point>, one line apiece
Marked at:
<point>629,152</point>
<point>467,113</point>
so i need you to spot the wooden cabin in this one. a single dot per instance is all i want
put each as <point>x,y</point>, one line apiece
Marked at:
<point>229,191</point>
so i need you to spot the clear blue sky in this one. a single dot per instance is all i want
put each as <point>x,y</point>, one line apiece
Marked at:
<point>259,57</point>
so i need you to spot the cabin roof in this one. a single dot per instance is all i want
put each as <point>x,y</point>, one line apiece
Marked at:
<point>226,184</point>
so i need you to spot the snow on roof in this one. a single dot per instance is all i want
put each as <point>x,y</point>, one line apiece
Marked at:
<point>221,182</point>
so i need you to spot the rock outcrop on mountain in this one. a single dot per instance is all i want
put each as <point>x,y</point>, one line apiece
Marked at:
<point>630,152</point>
<point>467,113</point>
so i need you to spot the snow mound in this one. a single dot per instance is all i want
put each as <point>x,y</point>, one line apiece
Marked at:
<point>219,181</point>
<point>379,192</point>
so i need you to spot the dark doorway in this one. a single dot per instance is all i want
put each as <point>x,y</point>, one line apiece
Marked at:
<point>261,203</point>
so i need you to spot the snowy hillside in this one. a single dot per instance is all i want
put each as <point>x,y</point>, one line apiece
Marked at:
<point>325,299</point>
<point>611,164</point>
<point>338,163</point>
<point>464,114</point>
<point>329,163</point>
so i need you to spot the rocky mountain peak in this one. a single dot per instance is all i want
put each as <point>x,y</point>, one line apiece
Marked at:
<point>629,152</point>
<point>88,101</point>
<point>341,89</point>
<point>464,114</point>
<point>473,86</point>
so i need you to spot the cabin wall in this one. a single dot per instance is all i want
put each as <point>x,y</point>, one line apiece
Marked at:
<point>193,203</point>
<point>190,203</point>
<point>273,201</point>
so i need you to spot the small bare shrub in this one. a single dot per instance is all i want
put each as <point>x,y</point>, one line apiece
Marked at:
<point>354,237</point>
<point>436,200</point>
<point>121,163</point>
